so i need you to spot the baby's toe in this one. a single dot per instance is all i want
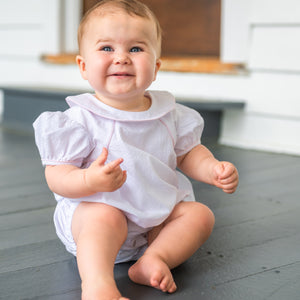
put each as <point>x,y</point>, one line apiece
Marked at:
<point>172,288</point>
<point>168,285</point>
<point>156,280</point>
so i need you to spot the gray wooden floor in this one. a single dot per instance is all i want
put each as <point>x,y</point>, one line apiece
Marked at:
<point>253,253</point>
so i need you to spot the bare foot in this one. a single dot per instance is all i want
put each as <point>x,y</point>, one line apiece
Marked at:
<point>152,271</point>
<point>103,290</point>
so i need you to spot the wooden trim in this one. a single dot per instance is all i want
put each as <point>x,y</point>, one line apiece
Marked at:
<point>199,64</point>
<point>192,64</point>
<point>61,59</point>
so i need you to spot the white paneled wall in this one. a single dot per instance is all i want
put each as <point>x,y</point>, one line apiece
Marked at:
<point>274,94</point>
<point>274,11</point>
<point>270,35</point>
<point>275,47</point>
<point>30,28</point>
<point>256,131</point>
<point>235,19</point>
<point>71,17</point>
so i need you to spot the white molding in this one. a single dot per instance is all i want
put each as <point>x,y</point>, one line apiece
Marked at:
<point>32,28</point>
<point>239,16</point>
<point>53,25</point>
<point>235,30</point>
<point>21,12</point>
<point>274,94</point>
<point>72,12</point>
<point>275,48</point>
<point>260,132</point>
<point>275,12</point>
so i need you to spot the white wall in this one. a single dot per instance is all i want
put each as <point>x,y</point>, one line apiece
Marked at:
<point>263,34</point>
<point>29,28</point>
<point>270,48</point>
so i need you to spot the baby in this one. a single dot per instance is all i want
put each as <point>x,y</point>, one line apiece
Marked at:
<point>111,159</point>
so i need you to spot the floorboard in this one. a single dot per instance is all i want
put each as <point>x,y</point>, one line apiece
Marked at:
<point>253,252</point>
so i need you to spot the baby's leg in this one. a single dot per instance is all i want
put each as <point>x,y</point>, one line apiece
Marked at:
<point>185,230</point>
<point>99,231</point>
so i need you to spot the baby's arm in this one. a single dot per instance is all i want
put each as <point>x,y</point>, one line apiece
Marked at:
<point>201,165</point>
<point>73,182</point>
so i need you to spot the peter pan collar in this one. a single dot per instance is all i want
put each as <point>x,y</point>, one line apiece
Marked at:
<point>161,103</point>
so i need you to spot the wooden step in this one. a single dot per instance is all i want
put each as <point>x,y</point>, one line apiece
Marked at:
<point>194,64</point>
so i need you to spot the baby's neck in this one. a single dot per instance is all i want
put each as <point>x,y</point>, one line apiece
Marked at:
<point>127,104</point>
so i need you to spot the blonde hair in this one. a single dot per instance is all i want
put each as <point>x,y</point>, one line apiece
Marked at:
<point>131,7</point>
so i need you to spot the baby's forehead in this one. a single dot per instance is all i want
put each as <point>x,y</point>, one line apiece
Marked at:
<point>112,10</point>
<point>107,9</point>
<point>120,21</point>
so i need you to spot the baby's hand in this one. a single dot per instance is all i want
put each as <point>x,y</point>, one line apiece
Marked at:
<point>226,177</point>
<point>101,177</point>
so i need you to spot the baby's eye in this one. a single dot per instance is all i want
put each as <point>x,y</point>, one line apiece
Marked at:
<point>106,48</point>
<point>136,49</point>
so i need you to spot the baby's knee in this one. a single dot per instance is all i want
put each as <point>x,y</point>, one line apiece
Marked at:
<point>202,216</point>
<point>96,215</point>
<point>113,216</point>
<point>209,217</point>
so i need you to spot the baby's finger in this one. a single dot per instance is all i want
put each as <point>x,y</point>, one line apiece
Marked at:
<point>228,170</point>
<point>101,159</point>
<point>229,191</point>
<point>230,187</point>
<point>232,178</point>
<point>111,166</point>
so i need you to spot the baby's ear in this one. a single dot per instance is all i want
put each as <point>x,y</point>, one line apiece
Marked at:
<point>81,64</point>
<point>157,66</point>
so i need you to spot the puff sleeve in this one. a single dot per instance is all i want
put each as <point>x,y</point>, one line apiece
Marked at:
<point>189,126</point>
<point>61,140</point>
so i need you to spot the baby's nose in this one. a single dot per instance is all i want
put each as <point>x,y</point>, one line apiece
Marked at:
<point>121,58</point>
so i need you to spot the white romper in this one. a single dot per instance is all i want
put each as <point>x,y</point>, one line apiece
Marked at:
<point>148,141</point>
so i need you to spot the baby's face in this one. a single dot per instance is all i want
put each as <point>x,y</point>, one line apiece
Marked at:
<point>119,55</point>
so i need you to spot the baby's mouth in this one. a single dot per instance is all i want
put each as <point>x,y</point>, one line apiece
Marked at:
<point>121,74</point>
